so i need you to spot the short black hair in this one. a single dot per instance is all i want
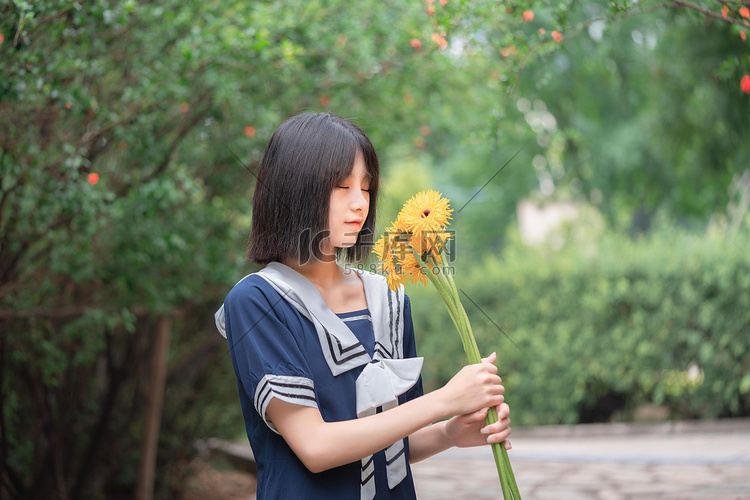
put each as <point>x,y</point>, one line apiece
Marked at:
<point>306,157</point>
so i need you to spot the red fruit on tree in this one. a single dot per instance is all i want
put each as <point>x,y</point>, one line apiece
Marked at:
<point>93,178</point>
<point>745,84</point>
<point>528,15</point>
<point>440,40</point>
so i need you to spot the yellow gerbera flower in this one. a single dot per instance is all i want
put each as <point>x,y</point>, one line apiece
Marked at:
<point>387,250</point>
<point>428,241</point>
<point>425,211</point>
<point>379,247</point>
<point>393,272</point>
<point>412,270</point>
<point>393,241</point>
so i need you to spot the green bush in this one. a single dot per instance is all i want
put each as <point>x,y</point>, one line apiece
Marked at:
<point>601,329</point>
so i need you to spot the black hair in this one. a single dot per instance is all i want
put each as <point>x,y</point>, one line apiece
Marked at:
<point>306,157</point>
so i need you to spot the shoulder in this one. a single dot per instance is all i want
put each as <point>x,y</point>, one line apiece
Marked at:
<point>252,290</point>
<point>254,304</point>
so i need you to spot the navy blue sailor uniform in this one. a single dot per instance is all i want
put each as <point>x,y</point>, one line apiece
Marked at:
<point>286,343</point>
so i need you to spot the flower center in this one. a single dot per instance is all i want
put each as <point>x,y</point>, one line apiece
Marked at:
<point>425,212</point>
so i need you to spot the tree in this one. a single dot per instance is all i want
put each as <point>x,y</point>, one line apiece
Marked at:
<point>633,102</point>
<point>124,199</point>
<point>129,134</point>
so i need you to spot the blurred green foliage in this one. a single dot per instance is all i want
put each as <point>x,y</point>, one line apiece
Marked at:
<point>596,329</point>
<point>129,134</point>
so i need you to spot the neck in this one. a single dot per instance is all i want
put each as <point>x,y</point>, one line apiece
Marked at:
<point>341,289</point>
<point>321,273</point>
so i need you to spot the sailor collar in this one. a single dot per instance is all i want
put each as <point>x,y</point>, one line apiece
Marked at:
<point>390,375</point>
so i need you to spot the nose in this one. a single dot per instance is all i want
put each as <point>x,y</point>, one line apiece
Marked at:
<point>359,200</point>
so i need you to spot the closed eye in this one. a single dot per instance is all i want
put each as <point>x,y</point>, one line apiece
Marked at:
<point>347,187</point>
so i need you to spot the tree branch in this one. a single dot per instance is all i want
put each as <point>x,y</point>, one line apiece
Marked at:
<point>173,146</point>
<point>709,13</point>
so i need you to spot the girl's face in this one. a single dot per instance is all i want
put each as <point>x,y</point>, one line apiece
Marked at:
<point>348,207</point>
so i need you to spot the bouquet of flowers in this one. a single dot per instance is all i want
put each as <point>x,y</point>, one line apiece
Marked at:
<point>413,250</point>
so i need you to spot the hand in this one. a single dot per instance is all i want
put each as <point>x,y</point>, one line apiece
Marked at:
<point>475,387</point>
<point>469,429</point>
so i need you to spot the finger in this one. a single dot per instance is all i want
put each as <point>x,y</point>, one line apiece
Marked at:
<point>490,359</point>
<point>489,367</point>
<point>507,444</point>
<point>499,437</point>
<point>503,411</point>
<point>475,416</point>
<point>495,383</point>
<point>495,427</point>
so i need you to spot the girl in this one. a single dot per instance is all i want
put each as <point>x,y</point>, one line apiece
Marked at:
<point>324,355</point>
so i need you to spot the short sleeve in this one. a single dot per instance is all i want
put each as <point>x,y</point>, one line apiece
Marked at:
<point>266,352</point>
<point>410,349</point>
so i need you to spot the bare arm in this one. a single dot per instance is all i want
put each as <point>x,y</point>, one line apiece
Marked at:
<point>322,445</point>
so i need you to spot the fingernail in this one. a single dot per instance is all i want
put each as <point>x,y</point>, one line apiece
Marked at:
<point>510,446</point>
<point>485,430</point>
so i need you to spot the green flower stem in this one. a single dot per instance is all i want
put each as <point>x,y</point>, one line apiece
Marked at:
<point>446,288</point>
<point>511,476</point>
<point>507,495</point>
<point>507,480</point>
<point>442,291</point>
<point>449,293</point>
<point>502,463</point>
<point>460,321</point>
<point>474,356</point>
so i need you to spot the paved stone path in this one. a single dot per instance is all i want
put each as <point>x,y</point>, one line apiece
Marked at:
<point>683,461</point>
